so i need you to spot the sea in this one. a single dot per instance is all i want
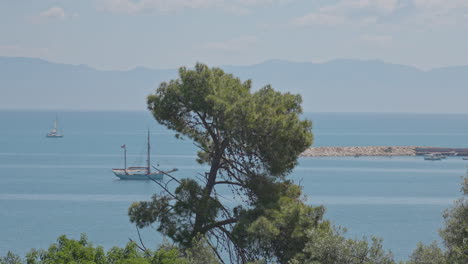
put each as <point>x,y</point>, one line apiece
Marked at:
<point>64,186</point>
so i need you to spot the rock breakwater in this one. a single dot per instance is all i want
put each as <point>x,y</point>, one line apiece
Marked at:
<point>360,151</point>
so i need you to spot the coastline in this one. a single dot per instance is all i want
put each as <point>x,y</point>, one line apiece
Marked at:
<point>360,151</point>
<point>381,151</point>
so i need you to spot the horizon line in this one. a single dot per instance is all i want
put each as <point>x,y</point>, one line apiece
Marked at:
<point>147,111</point>
<point>318,62</point>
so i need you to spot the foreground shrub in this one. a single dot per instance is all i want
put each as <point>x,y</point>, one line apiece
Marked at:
<point>81,251</point>
<point>431,254</point>
<point>331,247</point>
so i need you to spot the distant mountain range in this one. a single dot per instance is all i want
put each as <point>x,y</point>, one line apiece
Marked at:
<point>335,86</point>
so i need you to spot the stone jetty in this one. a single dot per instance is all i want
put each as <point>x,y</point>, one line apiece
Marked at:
<point>382,151</point>
<point>360,151</point>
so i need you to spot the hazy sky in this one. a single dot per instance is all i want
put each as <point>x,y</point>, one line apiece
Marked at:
<point>122,34</point>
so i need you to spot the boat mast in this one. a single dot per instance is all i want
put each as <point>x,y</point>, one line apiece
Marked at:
<point>125,158</point>
<point>148,158</point>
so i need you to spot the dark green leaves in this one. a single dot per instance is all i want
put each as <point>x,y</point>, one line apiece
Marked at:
<point>251,141</point>
<point>212,107</point>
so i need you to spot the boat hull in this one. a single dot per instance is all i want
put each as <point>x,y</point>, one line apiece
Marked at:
<point>432,158</point>
<point>54,136</point>
<point>138,176</point>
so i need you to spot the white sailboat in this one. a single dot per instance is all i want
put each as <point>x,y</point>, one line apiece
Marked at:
<point>140,173</point>
<point>54,132</point>
<point>433,156</point>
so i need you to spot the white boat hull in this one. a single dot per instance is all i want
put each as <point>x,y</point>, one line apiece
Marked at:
<point>137,175</point>
<point>54,132</point>
<point>140,173</point>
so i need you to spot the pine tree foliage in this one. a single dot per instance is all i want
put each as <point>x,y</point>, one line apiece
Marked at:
<point>250,140</point>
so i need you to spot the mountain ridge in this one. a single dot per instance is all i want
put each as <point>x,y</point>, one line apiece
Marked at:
<point>342,85</point>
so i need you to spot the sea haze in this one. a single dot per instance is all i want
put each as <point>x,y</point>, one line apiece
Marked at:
<point>51,187</point>
<point>337,86</point>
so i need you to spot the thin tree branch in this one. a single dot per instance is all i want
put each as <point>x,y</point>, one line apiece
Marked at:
<point>208,128</point>
<point>142,249</point>
<point>139,237</point>
<point>220,224</point>
<point>229,182</point>
<point>215,250</point>
<point>167,174</point>
<point>164,187</point>
<point>241,253</point>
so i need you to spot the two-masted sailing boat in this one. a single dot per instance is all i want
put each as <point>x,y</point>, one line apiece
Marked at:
<point>140,173</point>
<point>54,132</point>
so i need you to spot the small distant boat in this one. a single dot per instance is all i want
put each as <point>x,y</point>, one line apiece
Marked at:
<point>54,132</point>
<point>140,173</point>
<point>452,153</point>
<point>465,158</point>
<point>432,157</point>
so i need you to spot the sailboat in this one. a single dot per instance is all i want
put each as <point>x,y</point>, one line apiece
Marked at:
<point>54,132</point>
<point>140,173</point>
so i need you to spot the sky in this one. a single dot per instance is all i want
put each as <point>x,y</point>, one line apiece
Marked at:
<point>123,34</point>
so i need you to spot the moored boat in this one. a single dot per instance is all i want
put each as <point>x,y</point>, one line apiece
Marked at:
<point>140,173</point>
<point>432,157</point>
<point>54,132</point>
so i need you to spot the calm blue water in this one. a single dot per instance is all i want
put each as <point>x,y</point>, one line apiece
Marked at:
<point>50,187</point>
